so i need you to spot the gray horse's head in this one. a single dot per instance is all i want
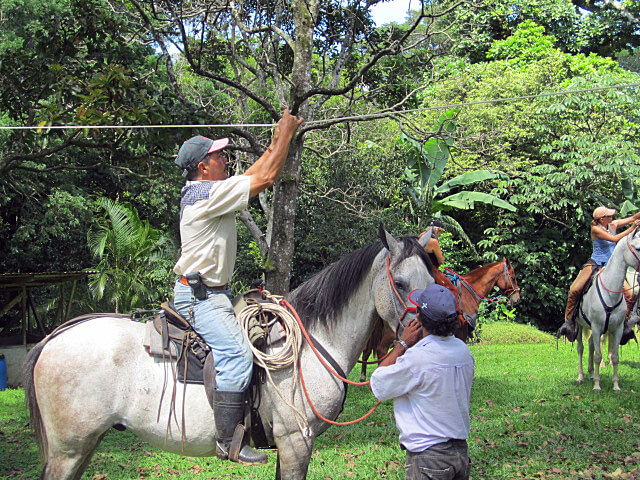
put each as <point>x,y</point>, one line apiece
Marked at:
<point>405,267</point>
<point>322,298</point>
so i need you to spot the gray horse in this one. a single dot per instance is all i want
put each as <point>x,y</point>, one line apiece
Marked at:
<point>96,375</point>
<point>603,309</point>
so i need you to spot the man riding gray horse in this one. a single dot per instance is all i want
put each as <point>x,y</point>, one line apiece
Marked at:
<point>209,202</point>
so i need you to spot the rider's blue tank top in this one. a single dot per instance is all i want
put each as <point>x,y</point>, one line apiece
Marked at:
<point>602,250</point>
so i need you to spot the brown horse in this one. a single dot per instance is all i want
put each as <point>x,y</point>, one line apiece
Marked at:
<point>473,288</point>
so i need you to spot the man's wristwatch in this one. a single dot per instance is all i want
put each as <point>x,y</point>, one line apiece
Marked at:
<point>403,343</point>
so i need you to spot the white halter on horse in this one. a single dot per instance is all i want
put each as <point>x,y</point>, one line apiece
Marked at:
<point>603,309</point>
<point>96,375</point>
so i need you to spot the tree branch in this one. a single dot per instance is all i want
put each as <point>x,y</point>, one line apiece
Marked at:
<point>392,49</point>
<point>255,231</point>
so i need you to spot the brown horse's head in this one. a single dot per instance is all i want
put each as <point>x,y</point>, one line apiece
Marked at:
<point>508,284</point>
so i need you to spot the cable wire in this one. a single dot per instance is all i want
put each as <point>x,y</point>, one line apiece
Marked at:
<point>364,117</point>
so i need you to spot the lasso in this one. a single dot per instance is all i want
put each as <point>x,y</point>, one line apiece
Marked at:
<point>281,358</point>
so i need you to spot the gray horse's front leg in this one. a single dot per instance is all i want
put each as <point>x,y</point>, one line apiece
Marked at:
<point>597,358</point>
<point>590,357</point>
<point>580,348</point>
<point>614,358</point>
<point>294,455</point>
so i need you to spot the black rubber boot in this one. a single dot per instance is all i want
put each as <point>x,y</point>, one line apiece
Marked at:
<point>228,409</point>
<point>627,331</point>
<point>569,329</point>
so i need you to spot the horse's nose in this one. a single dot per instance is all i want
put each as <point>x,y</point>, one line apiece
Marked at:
<point>514,299</point>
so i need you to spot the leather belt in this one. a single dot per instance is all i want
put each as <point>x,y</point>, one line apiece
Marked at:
<point>183,280</point>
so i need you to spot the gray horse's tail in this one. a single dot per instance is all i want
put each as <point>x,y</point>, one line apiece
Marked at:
<point>30,397</point>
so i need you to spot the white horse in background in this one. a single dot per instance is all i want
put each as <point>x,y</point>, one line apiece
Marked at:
<point>602,310</point>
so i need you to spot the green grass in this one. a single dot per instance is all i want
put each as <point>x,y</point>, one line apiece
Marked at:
<point>509,333</point>
<point>529,420</point>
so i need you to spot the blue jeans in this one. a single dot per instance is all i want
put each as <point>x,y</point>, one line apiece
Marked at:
<point>443,461</point>
<point>216,323</point>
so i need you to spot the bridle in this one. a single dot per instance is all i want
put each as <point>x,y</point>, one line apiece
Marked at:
<point>508,292</point>
<point>633,249</point>
<point>394,289</point>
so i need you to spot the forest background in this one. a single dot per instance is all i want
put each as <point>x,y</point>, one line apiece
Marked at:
<point>394,113</point>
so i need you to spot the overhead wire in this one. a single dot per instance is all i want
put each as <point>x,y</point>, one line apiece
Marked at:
<point>371,116</point>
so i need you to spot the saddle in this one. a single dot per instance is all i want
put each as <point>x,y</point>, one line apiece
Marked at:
<point>170,336</point>
<point>607,308</point>
<point>594,270</point>
<point>588,284</point>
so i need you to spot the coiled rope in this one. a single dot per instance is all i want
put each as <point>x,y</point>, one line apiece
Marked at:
<point>287,356</point>
<point>281,358</point>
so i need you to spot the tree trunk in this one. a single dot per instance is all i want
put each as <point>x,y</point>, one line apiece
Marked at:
<point>280,261</point>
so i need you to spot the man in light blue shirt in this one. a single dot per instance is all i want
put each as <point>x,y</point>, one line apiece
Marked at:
<point>428,375</point>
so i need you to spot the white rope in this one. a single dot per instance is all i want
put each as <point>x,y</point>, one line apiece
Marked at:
<point>282,357</point>
<point>285,356</point>
<point>371,116</point>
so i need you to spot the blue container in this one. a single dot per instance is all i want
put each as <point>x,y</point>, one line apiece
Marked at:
<point>3,373</point>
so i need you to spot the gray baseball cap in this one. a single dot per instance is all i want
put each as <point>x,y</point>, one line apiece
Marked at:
<point>435,302</point>
<point>193,151</point>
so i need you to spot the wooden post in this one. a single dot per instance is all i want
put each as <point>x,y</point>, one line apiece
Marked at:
<point>11,304</point>
<point>58,319</point>
<point>73,291</point>
<point>35,314</point>
<point>62,302</point>
<point>24,316</point>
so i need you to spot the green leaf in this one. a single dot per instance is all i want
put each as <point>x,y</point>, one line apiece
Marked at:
<point>466,179</point>
<point>466,201</point>
<point>628,188</point>
<point>436,156</point>
<point>627,207</point>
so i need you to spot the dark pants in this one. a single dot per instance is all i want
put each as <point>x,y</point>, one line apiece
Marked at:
<point>444,461</point>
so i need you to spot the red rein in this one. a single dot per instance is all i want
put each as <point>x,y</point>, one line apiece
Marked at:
<point>328,367</point>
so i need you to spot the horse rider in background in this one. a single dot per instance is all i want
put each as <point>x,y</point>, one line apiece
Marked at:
<point>209,202</point>
<point>437,259</point>
<point>604,238</point>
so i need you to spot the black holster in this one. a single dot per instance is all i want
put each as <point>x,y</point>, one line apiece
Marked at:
<point>197,285</point>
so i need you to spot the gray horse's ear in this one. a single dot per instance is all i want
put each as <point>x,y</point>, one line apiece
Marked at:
<point>388,240</point>
<point>425,237</point>
<point>382,233</point>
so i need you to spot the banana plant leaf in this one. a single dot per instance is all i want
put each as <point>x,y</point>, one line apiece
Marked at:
<point>466,201</point>
<point>466,179</point>
<point>628,188</point>
<point>435,156</point>
<point>626,208</point>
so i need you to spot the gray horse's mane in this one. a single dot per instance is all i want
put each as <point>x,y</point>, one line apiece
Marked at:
<point>323,296</point>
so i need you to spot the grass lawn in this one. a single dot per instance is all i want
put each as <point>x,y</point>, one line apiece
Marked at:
<point>529,420</point>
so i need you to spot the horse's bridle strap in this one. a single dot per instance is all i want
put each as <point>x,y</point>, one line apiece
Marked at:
<point>407,309</point>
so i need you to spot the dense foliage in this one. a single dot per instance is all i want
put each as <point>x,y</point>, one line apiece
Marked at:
<point>552,157</point>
